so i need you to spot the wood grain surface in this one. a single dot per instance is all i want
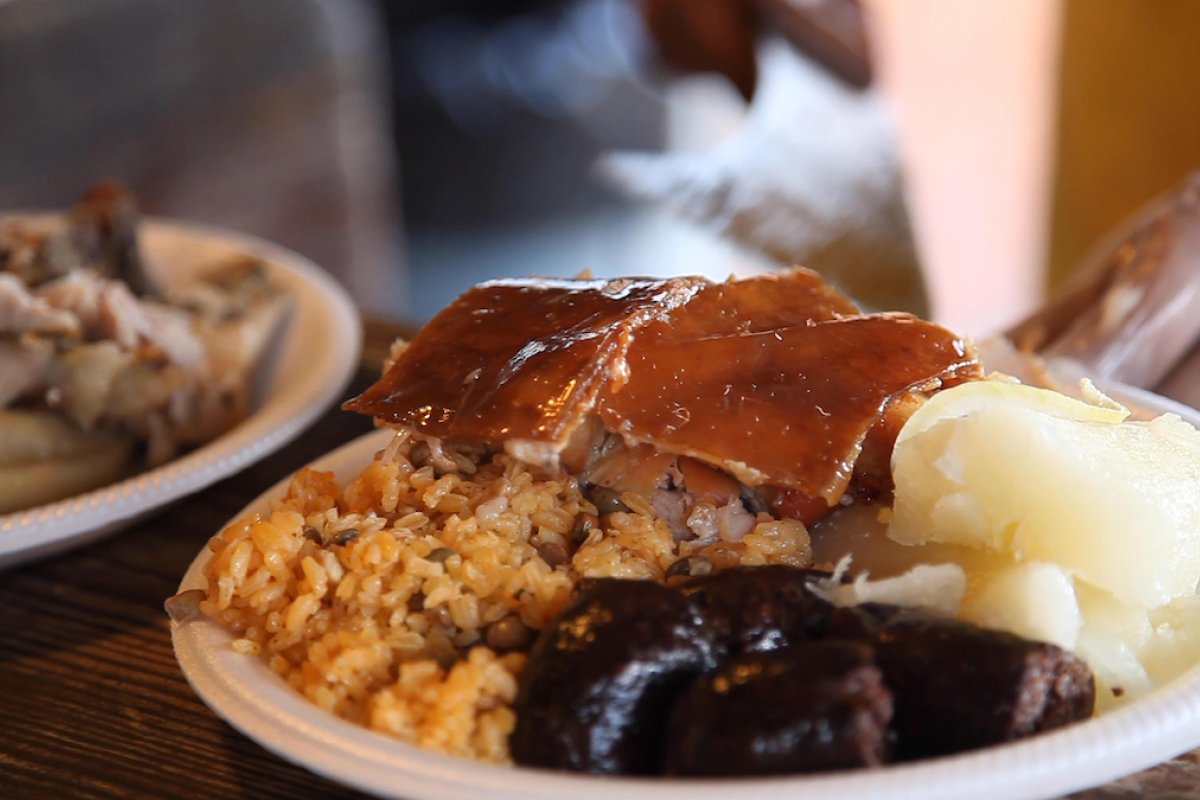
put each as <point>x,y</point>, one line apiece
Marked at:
<point>92,702</point>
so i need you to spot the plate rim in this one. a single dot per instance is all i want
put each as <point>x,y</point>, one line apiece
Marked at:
<point>248,695</point>
<point>281,416</point>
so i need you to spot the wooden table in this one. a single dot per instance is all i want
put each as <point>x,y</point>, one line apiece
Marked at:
<point>92,703</point>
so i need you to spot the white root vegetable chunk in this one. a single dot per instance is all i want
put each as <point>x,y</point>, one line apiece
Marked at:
<point>1045,478</point>
<point>1034,600</point>
<point>938,588</point>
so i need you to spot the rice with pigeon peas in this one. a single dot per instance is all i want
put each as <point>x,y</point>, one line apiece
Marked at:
<point>404,600</point>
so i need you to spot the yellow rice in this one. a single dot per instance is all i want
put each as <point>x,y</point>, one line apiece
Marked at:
<point>374,600</point>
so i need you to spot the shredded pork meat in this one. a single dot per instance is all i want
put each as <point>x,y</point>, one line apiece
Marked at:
<point>85,336</point>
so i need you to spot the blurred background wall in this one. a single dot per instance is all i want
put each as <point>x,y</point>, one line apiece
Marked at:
<point>1128,121</point>
<point>413,147</point>
<point>263,117</point>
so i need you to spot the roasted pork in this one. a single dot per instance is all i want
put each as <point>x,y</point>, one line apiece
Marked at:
<point>738,396</point>
<point>87,340</point>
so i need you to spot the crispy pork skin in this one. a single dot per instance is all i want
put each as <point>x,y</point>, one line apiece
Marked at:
<point>776,381</point>
<point>787,407</point>
<point>519,361</point>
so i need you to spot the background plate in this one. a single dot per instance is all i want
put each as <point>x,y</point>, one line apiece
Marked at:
<point>308,365</point>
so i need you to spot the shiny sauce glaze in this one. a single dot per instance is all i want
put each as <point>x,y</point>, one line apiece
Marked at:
<point>518,358</point>
<point>787,407</point>
<point>776,380</point>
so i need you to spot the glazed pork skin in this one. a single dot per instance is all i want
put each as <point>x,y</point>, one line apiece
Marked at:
<point>776,380</point>
<point>787,407</point>
<point>519,362</point>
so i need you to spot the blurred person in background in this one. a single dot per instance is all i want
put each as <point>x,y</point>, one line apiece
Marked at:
<point>1024,132</point>
<point>997,141</point>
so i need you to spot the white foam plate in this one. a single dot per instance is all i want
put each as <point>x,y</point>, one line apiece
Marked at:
<point>256,701</point>
<point>310,362</point>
